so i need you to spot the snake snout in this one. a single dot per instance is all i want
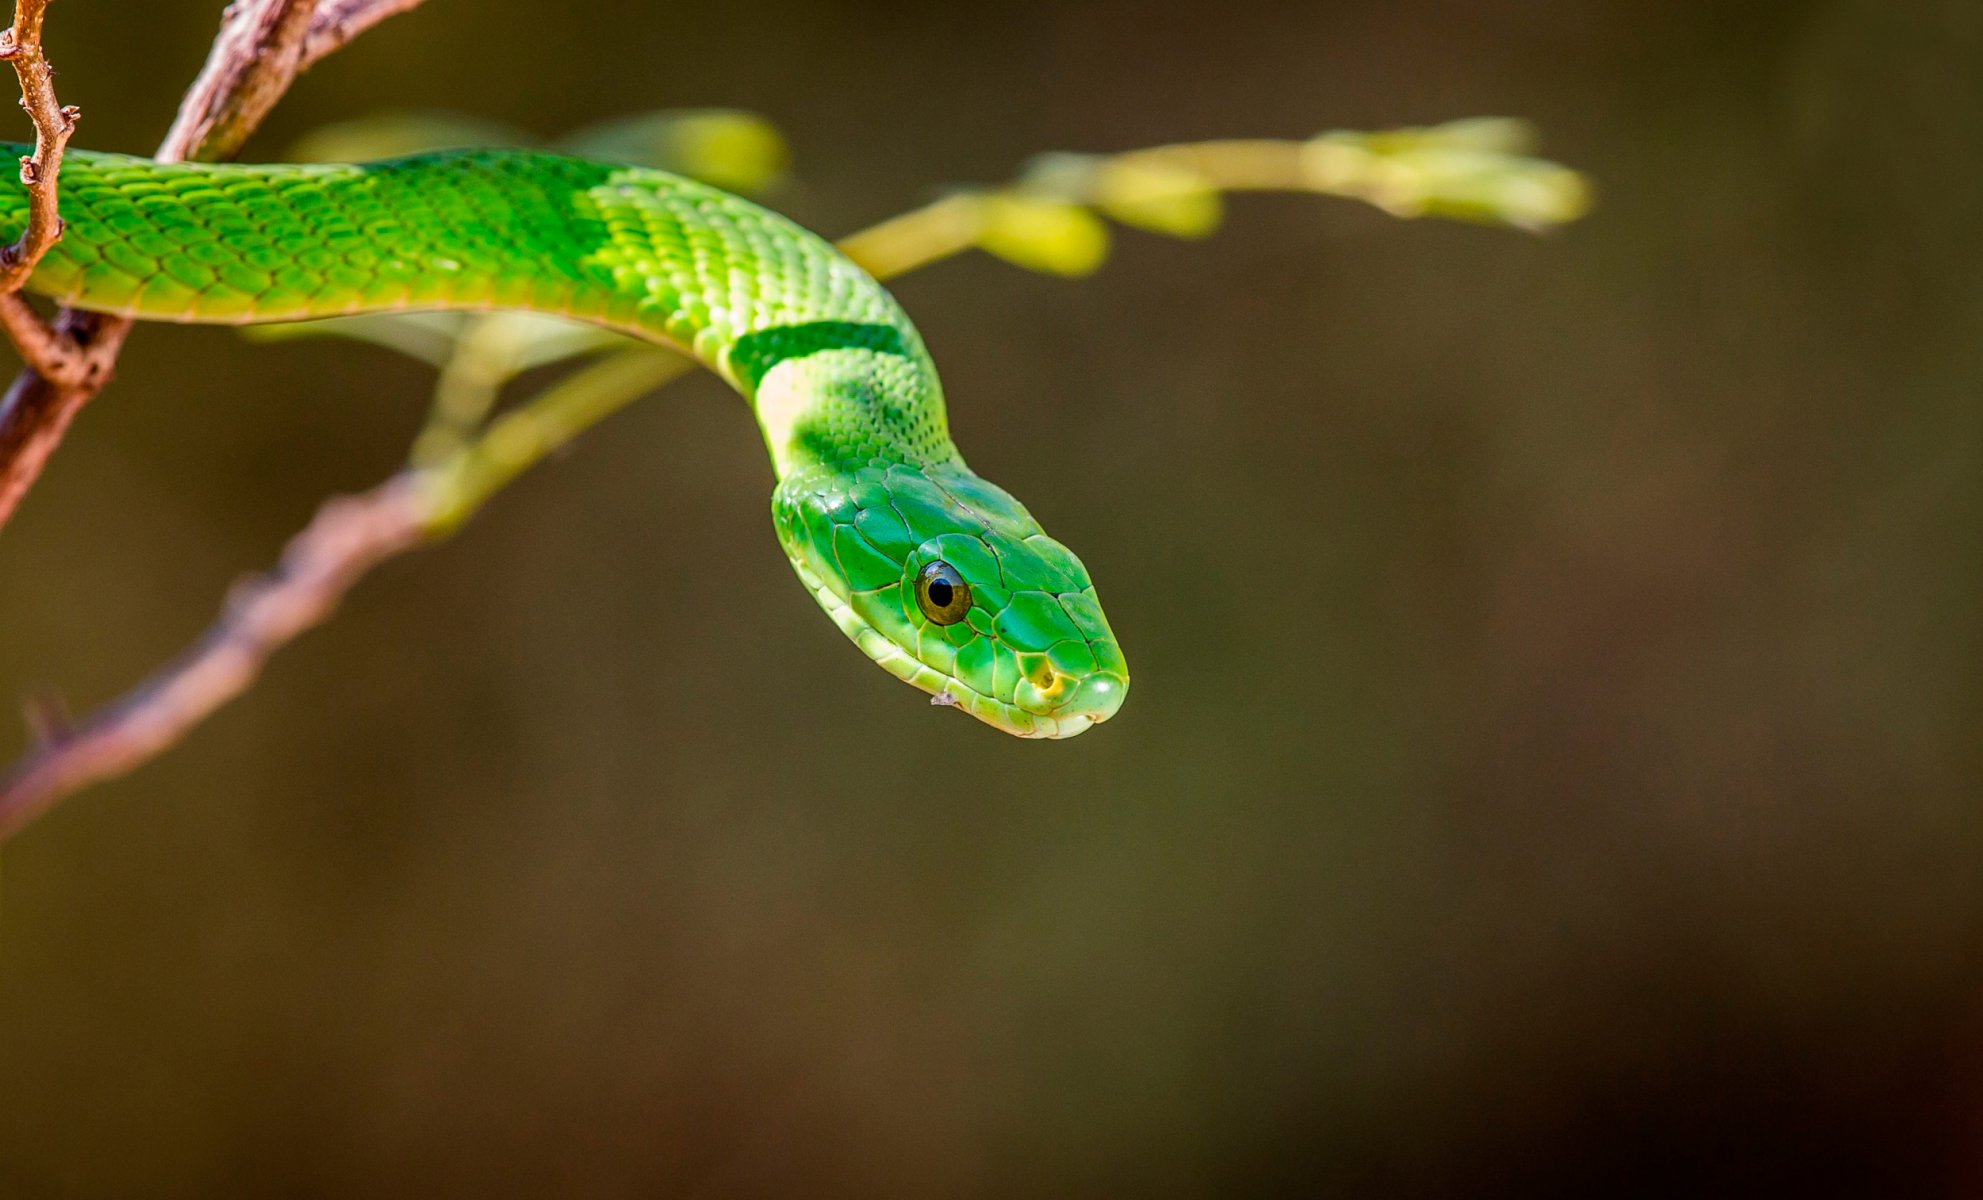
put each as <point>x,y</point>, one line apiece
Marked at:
<point>1093,699</point>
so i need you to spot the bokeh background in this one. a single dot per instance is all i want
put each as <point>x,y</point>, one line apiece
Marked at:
<point>1554,756</point>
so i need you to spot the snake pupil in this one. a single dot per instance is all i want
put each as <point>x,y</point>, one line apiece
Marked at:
<point>942,593</point>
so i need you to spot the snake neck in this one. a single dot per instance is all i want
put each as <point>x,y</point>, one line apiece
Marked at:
<point>832,397</point>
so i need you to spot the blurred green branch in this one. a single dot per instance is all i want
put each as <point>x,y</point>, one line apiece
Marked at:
<point>1053,218</point>
<point>1050,218</point>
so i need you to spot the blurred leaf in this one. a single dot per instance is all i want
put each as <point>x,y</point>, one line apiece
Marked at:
<point>737,151</point>
<point>1443,172</point>
<point>393,134</point>
<point>1162,198</point>
<point>1521,192</point>
<point>1060,173</point>
<point>1043,234</point>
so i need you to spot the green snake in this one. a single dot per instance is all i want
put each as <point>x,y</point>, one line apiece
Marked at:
<point>936,574</point>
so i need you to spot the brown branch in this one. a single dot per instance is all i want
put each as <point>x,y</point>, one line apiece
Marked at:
<point>36,412</point>
<point>349,537</point>
<point>257,56</point>
<point>20,45</point>
<point>53,354</point>
<point>49,350</point>
<point>263,45</point>
<point>339,21</point>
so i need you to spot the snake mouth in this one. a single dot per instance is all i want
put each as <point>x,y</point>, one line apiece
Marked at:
<point>1085,702</point>
<point>1093,701</point>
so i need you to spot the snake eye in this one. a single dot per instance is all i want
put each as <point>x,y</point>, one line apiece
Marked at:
<point>942,593</point>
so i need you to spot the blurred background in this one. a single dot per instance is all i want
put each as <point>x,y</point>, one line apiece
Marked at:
<point>1554,756</point>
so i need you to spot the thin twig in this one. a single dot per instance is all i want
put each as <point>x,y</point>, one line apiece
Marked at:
<point>347,539</point>
<point>339,21</point>
<point>54,355</point>
<point>41,345</point>
<point>20,45</point>
<point>263,45</point>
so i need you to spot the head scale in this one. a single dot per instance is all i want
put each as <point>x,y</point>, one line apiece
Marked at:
<point>948,582</point>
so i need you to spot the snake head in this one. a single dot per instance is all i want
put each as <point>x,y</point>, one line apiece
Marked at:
<point>947,581</point>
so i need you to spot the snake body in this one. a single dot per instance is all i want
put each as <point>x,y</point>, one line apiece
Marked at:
<point>939,576</point>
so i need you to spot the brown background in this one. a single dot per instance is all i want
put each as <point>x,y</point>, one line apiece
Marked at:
<point>1553,761</point>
